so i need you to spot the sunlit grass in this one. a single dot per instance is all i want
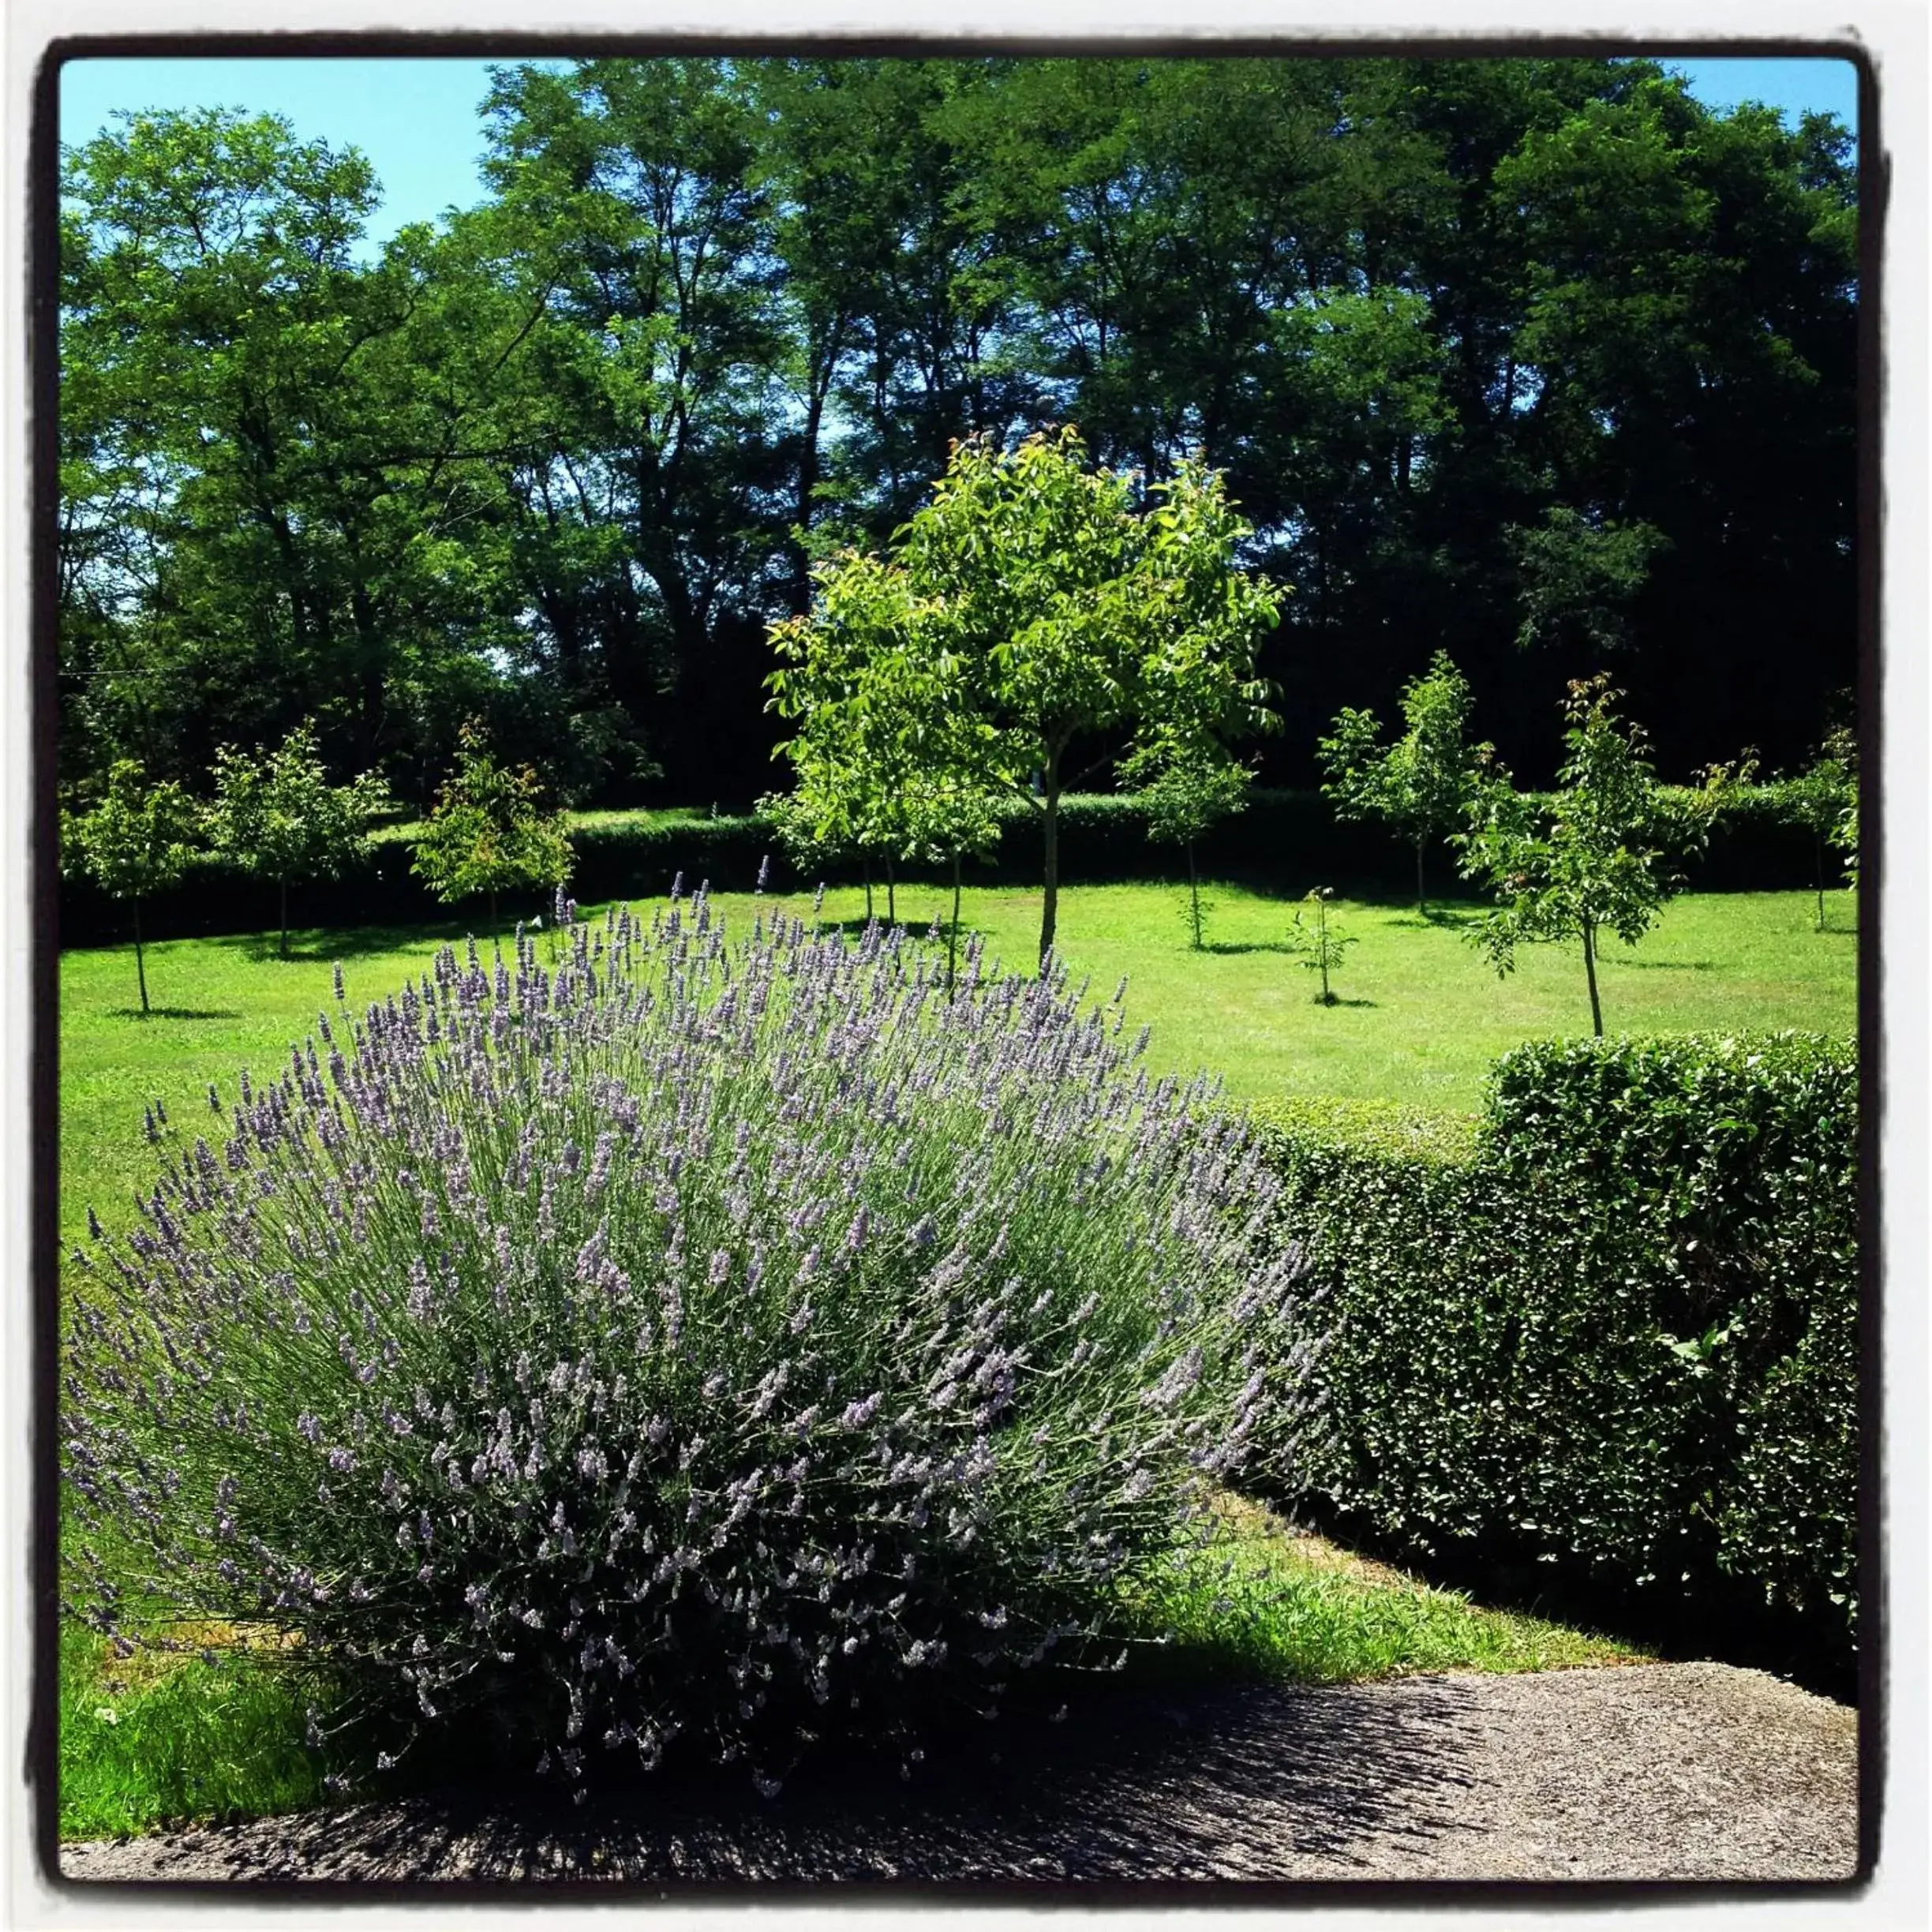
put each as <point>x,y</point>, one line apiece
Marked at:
<point>148,1741</point>
<point>1422,1016</point>
<point>1265,1604</point>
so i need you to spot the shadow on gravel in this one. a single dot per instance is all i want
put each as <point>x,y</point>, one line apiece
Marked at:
<point>1226,1784</point>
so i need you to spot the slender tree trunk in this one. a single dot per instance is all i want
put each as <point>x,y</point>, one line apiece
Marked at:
<point>1194,895</point>
<point>1049,909</point>
<point>1817,854</point>
<point>283,884</point>
<point>1321,948</point>
<point>865,862</point>
<point>1421,906</point>
<point>495,930</point>
<point>141,969</point>
<point>953,931</point>
<point>1589,968</point>
<point>892,900</point>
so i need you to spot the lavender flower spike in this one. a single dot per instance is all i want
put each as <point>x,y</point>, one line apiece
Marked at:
<point>689,1333</point>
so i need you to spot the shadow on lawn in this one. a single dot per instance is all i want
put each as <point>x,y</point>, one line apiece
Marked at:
<point>175,1013</point>
<point>316,946</point>
<point>1437,919</point>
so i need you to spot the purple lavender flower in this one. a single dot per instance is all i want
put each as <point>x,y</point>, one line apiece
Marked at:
<point>797,1096</point>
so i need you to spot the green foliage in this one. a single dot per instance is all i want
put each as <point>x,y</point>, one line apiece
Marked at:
<point>1184,791</point>
<point>1025,604</point>
<point>1323,946</point>
<point>1844,835</point>
<point>1598,863</point>
<point>1184,796</point>
<point>1824,799</point>
<point>891,757</point>
<point>278,818</point>
<point>1423,784</point>
<point>486,833</point>
<point>1620,1337</point>
<point>1579,578</point>
<point>135,842</point>
<point>1394,1128</point>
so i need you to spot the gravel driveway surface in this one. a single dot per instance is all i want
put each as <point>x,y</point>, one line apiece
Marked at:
<point>1687,1771</point>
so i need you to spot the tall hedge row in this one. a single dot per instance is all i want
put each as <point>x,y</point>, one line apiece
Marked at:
<point>1619,1338</point>
<point>1291,840</point>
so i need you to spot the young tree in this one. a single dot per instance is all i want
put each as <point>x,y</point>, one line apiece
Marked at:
<point>487,832</point>
<point>891,756</point>
<point>1598,863</point>
<point>1323,948</point>
<point>278,818</point>
<point>135,843</point>
<point>1844,835</point>
<point>1822,796</point>
<point>1422,785</point>
<point>1058,612</point>
<point>849,674</point>
<point>1185,792</point>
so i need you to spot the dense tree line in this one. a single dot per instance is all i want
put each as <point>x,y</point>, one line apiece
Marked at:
<point>1539,362</point>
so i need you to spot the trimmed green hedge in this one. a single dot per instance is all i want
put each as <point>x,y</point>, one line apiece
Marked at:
<point>1288,841</point>
<point>1617,1337</point>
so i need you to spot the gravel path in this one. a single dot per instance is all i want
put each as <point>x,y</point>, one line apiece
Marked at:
<point>1687,1771</point>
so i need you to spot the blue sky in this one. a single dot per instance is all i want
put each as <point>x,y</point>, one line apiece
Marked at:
<point>417,121</point>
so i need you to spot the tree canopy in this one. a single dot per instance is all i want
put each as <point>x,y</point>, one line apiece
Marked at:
<point>1024,606</point>
<point>1538,361</point>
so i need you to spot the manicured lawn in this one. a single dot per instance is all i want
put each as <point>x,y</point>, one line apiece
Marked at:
<point>1422,1016</point>
<point>148,1739</point>
<point>1266,1604</point>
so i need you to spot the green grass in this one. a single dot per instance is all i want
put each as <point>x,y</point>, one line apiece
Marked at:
<point>143,1746</point>
<point>1423,1016</point>
<point>1402,1064</point>
<point>1264,1604</point>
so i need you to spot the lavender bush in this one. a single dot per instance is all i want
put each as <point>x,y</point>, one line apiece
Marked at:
<point>744,1341</point>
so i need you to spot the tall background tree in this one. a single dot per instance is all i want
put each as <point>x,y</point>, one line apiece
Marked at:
<point>1540,362</point>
